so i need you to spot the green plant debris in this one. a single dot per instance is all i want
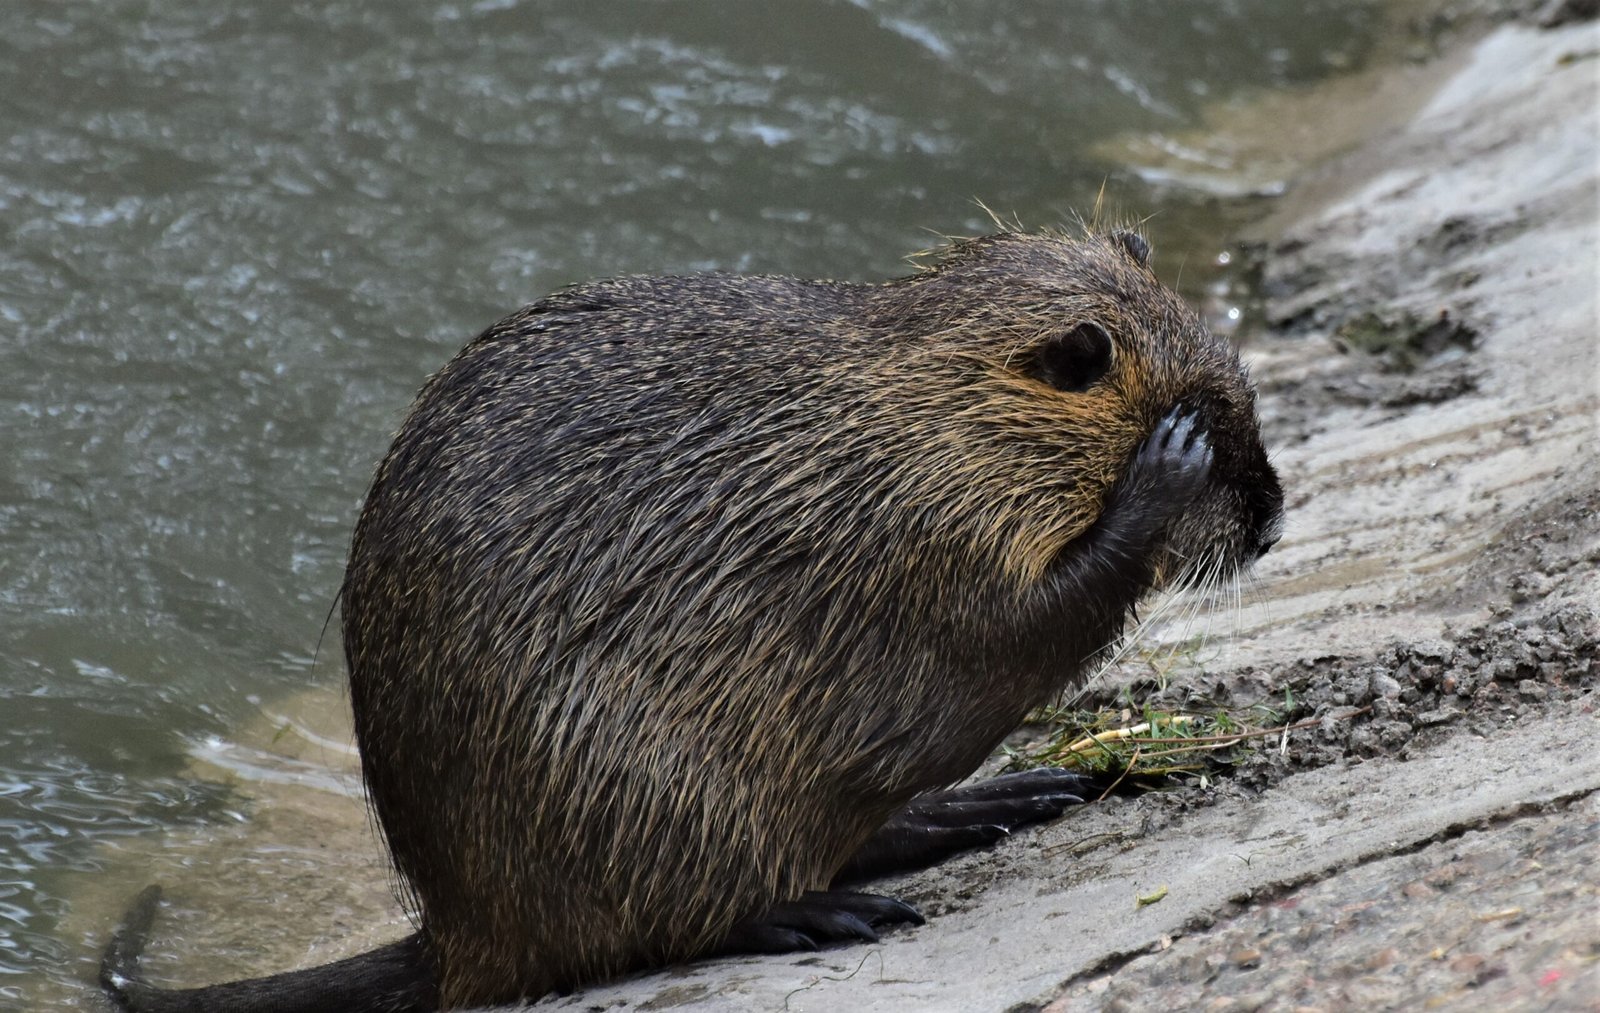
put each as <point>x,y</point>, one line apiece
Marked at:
<point>1115,743</point>
<point>1155,896</point>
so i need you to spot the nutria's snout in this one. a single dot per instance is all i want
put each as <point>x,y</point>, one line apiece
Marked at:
<point>1264,506</point>
<point>1262,513</point>
<point>1269,535</point>
<point>1236,513</point>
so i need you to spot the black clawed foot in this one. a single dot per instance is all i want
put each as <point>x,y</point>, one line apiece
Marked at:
<point>1036,783</point>
<point>1168,472</point>
<point>1180,452</point>
<point>943,823</point>
<point>818,918</point>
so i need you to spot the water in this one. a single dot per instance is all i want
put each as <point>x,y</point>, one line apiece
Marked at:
<point>235,237</point>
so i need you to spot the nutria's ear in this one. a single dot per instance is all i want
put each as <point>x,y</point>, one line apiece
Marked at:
<point>1076,358</point>
<point>1135,245</point>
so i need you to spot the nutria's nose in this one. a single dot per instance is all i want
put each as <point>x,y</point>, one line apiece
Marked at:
<point>1266,544</point>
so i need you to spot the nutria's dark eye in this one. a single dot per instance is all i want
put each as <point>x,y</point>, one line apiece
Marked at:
<point>1136,245</point>
<point>1076,359</point>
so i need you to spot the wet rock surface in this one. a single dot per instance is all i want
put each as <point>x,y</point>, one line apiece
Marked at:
<point>1485,920</point>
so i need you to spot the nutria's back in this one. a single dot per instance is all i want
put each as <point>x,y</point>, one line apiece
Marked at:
<point>671,590</point>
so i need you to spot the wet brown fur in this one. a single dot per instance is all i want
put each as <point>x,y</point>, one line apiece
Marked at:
<point>671,590</point>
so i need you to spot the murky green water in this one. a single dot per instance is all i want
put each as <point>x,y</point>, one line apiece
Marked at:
<point>234,238</point>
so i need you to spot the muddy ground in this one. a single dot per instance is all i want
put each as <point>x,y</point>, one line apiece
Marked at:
<point>1430,383</point>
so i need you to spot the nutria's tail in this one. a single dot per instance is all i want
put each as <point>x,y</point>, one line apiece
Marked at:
<point>397,978</point>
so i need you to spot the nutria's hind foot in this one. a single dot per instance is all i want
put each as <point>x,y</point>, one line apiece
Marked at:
<point>943,823</point>
<point>818,918</point>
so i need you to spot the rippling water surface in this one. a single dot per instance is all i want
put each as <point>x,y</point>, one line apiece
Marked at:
<point>234,238</point>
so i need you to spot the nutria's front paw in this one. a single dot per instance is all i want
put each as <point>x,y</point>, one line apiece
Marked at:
<point>1176,459</point>
<point>1168,471</point>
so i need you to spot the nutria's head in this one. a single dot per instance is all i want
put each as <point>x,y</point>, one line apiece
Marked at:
<point>1064,355</point>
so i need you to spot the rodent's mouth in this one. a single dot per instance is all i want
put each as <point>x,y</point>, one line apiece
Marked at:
<point>1235,517</point>
<point>1269,536</point>
<point>1214,542</point>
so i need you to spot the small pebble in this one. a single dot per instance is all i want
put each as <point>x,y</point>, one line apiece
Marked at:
<point>1467,963</point>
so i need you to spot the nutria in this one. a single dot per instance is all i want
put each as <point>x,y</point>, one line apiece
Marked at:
<point>675,597</point>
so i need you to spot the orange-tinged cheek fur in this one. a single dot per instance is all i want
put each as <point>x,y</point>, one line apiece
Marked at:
<point>1057,477</point>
